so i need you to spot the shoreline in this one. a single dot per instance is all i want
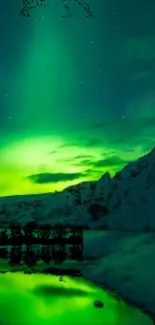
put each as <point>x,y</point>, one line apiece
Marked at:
<point>117,296</point>
<point>103,285</point>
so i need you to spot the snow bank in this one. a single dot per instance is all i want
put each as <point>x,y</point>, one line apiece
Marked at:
<point>127,266</point>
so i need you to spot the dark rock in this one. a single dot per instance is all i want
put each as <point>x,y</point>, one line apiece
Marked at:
<point>98,304</point>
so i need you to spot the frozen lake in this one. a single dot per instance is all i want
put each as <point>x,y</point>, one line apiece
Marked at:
<point>44,300</point>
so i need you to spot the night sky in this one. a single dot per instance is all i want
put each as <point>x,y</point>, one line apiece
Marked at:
<point>77,96</point>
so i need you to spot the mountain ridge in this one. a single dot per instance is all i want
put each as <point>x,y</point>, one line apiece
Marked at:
<point>124,202</point>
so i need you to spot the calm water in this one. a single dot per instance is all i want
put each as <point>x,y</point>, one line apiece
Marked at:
<point>44,300</point>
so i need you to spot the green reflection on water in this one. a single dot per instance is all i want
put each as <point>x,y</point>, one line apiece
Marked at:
<point>44,300</point>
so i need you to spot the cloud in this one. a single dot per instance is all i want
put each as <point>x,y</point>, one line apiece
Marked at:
<point>81,157</point>
<point>85,162</point>
<point>93,142</point>
<point>70,143</point>
<point>45,178</point>
<point>86,141</point>
<point>53,152</point>
<point>138,121</point>
<point>110,162</point>
<point>99,125</point>
<point>127,129</point>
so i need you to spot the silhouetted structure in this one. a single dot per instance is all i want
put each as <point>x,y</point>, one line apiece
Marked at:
<point>31,4</point>
<point>4,253</point>
<point>29,257</point>
<point>53,241</point>
<point>16,235</point>
<point>76,236</point>
<point>15,255</point>
<point>46,254</point>
<point>3,238</point>
<point>59,254</point>
<point>28,5</point>
<point>82,3</point>
<point>76,253</point>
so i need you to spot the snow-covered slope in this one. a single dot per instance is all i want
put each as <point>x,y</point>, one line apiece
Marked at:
<point>125,264</point>
<point>124,261</point>
<point>126,201</point>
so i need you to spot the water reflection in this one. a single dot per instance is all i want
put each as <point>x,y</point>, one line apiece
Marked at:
<point>44,300</point>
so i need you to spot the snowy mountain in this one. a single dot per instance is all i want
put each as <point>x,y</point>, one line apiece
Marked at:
<point>125,202</point>
<point>121,262</point>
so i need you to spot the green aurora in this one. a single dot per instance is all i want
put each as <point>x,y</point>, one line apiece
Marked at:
<point>77,96</point>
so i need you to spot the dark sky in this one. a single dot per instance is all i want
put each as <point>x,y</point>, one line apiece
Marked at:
<point>77,96</point>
